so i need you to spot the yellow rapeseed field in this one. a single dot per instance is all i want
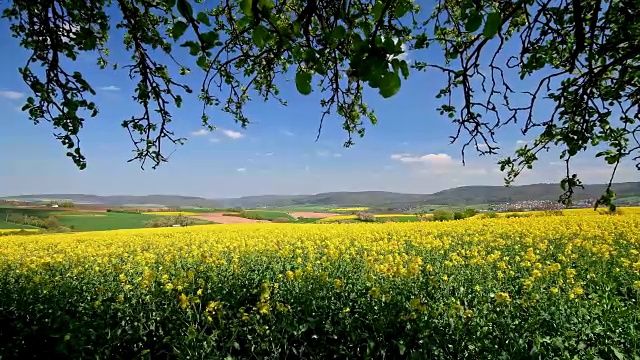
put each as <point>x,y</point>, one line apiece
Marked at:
<point>543,287</point>
<point>361,208</point>
<point>581,212</point>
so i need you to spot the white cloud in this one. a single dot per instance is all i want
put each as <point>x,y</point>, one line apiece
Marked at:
<point>287,132</point>
<point>405,54</point>
<point>439,164</point>
<point>337,155</point>
<point>322,153</point>
<point>268,154</point>
<point>432,159</point>
<point>201,132</point>
<point>241,170</point>
<point>110,88</point>
<point>233,134</point>
<point>399,156</point>
<point>522,142</point>
<point>11,95</point>
<point>214,140</point>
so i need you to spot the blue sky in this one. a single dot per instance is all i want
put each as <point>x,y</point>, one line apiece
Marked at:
<point>407,151</point>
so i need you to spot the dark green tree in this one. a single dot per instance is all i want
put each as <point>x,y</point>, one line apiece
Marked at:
<point>579,57</point>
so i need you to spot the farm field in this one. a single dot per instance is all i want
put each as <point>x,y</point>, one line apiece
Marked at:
<point>311,214</point>
<point>80,220</point>
<point>543,287</point>
<point>267,214</point>
<point>108,221</point>
<point>11,226</point>
<point>219,218</point>
<point>255,216</point>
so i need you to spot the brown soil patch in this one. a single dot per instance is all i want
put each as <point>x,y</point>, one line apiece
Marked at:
<point>312,215</point>
<point>218,218</point>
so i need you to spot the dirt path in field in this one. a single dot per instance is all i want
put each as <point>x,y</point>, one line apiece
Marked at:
<point>311,215</point>
<point>218,218</point>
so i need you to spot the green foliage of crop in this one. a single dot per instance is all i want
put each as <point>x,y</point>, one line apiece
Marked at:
<point>9,225</point>
<point>81,220</point>
<point>110,221</point>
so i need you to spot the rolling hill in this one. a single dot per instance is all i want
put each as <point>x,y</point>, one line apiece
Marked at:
<point>465,195</point>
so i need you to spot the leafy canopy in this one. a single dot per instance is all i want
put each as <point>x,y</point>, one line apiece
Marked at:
<point>580,58</point>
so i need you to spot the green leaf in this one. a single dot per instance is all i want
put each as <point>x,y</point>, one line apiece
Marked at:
<point>612,159</point>
<point>303,82</point>
<point>389,45</point>
<point>259,36</point>
<point>402,348</point>
<point>473,22</point>
<point>194,47</point>
<point>211,38</point>
<point>339,32</point>
<point>401,9</point>
<point>492,25</point>
<point>245,6</point>
<point>309,55</point>
<point>204,18</point>
<point>395,64</point>
<point>422,41</point>
<point>202,62</point>
<point>404,68</point>
<point>377,10</point>
<point>178,29</point>
<point>390,84</point>
<point>185,9</point>
<point>617,353</point>
<point>244,22</point>
<point>170,3</point>
<point>266,5</point>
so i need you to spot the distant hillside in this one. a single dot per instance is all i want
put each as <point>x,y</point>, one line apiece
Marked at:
<point>500,194</point>
<point>465,195</point>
